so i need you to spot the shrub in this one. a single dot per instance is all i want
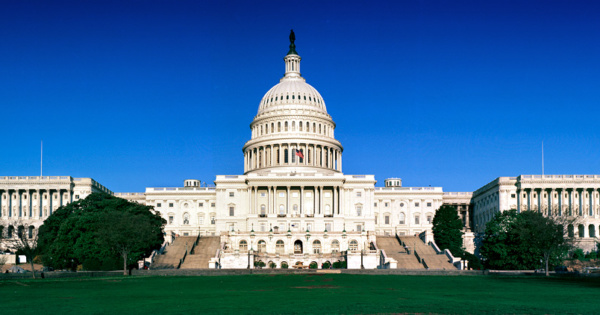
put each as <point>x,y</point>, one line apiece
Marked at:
<point>592,255</point>
<point>284,265</point>
<point>473,261</point>
<point>326,265</point>
<point>313,265</point>
<point>339,265</point>
<point>259,264</point>
<point>272,265</point>
<point>578,254</point>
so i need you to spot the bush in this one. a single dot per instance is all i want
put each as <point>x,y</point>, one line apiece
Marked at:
<point>272,265</point>
<point>578,254</point>
<point>259,264</point>
<point>339,265</point>
<point>284,265</point>
<point>326,265</point>
<point>592,255</point>
<point>473,261</point>
<point>313,265</point>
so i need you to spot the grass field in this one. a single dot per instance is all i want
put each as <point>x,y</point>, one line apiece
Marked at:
<point>301,294</point>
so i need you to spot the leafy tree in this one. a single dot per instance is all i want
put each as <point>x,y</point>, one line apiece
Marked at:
<point>447,230</point>
<point>22,244</point>
<point>77,234</point>
<point>518,241</point>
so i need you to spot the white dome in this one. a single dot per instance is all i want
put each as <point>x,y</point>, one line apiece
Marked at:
<point>292,93</point>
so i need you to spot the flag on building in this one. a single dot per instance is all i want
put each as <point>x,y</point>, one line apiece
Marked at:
<point>299,153</point>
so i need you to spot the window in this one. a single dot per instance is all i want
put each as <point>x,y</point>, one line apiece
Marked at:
<point>359,228</point>
<point>327,194</point>
<point>212,220</point>
<point>262,194</point>
<point>231,211</point>
<point>386,205</point>
<point>429,218</point>
<point>402,204</point>
<point>212,205</point>
<point>402,218</point>
<point>353,245</point>
<point>387,219</point>
<point>201,204</point>
<point>429,204</point>
<point>76,197</point>
<point>280,247</point>
<point>243,246</point>
<point>416,204</point>
<point>309,227</point>
<point>375,204</point>
<point>200,220</point>
<point>158,204</point>
<point>170,205</point>
<point>417,219</point>
<point>335,246</point>
<point>359,210</point>
<point>231,194</point>
<point>294,194</point>
<point>358,194</point>
<point>309,194</point>
<point>316,247</point>
<point>281,209</point>
<point>170,219</point>
<point>263,209</point>
<point>262,246</point>
<point>327,226</point>
<point>281,194</point>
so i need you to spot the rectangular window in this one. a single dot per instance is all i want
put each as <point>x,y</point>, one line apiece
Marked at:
<point>359,228</point>
<point>429,204</point>
<point>295,194</point>
<point>387,219</point>
<point>513,196</point>
<point>170,219</point>
<point>212,220</point>
<point>309,227</point>
<point>328,227</point>
<point>212,205</point>
<point>386,204</point>
<point>375,204</point>
<point>200,220</point>
<point>358,194</point>
<point>200,204</point>
<point>281,194</point>
<point>308,194</point>
<point>416,204</point>
<point>170,205</point>
<point>327,194</point>
<point>417,220</point>
<point>231,211</point>
<point>429,219</point>
<point>77,197</point>
<point>231,194</point>
<point>158,205</point>
<point>263,194</point>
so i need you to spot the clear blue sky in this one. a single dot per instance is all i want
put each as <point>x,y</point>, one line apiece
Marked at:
<point>139,94</point>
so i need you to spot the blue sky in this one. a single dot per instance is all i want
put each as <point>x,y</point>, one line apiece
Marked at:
<point>139,94</point>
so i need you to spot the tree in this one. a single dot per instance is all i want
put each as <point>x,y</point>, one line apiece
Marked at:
<point>518,241</point>
<point>23,242</point>
<point>77,234</point>
<point>127,234</point>
<point>447,230</point>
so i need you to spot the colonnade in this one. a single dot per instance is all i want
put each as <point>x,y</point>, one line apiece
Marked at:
<point>315,205</point>
<point>582,202</point>
<point>287,126</point>
<point>287,154</point>
<point>32,203</point>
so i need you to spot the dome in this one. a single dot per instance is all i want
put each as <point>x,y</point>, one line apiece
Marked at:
<point>291,93</point>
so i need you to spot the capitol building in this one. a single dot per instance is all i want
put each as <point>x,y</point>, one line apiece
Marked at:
<point>294,206</point>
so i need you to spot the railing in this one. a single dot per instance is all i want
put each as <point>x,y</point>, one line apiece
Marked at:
<point>180,188</point>
<point>408,189</point>
<point>458,193</point>
<point>182,259</point>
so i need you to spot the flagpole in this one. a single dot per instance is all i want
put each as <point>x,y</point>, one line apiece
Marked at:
<point>41,158</point>
<point>542,158</point>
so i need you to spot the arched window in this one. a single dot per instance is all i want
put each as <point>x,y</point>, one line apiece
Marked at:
<point>262,246</point>
<point>300,126</point>
<point>417,219</point>
<point>31,230</point>
<point>280,247</point>
<point>581,231</point>
<point>263,209</point>
<point>20,231</point>
<point>293,126</point>
<point>286,126</point>
<point>570,230</point>
<point>327,210</point>
<point>402,218</point>
<point>295,207</point>
<point>592,230</point>
<point>285,156</point>
<point>353,246</point>
<point>335,246</point>
<point>279,127</point>
<point>11,230</point>
<point>243,246</point>
<point>316,247</point>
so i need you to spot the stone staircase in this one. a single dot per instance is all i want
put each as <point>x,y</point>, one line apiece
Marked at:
<point>427,253</point>
<point>394,249</point>
<point>203,252</point>
<point>174,253</point>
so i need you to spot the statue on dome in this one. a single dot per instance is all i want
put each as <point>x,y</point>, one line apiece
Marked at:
<point>292,45</point>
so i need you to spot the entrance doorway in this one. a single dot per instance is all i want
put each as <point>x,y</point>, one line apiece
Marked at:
<point>298,247</point>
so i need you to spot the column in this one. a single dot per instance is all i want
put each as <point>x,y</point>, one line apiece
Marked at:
<point>268,210</point>
<point>518,201</point>
<point>9,203</point>
<point>301,197</point>
<point>40,205</point>
<point>320,199</point>
<point>342,194</point>
<point>580,201</point>
<point>559,191</point>
<point>255,198</point>
<point>249,199</point>
<point>20,199</point>
<point>335,201</point>
<point>539,200</point>
<point>570,201</point>
<point>287,200</point>
<point>528,199</point>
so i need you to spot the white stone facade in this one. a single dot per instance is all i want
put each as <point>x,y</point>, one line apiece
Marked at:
<point>575,196</point>
<point>26,201</point>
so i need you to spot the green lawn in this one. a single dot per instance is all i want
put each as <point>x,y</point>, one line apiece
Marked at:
<point>290,294</point>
